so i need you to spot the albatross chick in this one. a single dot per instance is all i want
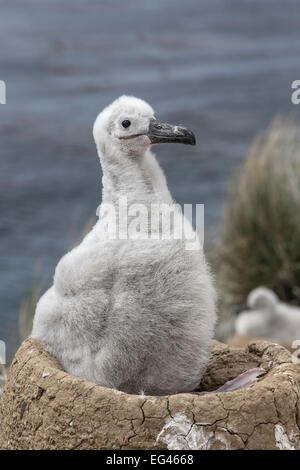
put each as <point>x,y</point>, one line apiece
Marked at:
<point>133,313</point>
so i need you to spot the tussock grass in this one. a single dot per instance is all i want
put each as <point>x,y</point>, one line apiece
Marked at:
<point>260,232</point>
<point>27,311</point>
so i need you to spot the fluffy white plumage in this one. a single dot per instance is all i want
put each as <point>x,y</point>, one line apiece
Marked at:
<point>267,317</point>
<point>131,314</point>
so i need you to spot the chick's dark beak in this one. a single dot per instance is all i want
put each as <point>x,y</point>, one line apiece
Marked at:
<point>242,308</point>
<point>161,132</point>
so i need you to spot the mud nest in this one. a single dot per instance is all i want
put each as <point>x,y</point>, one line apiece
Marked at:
<point>43,407</point>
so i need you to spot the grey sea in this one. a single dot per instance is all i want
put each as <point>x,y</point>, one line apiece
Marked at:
<point>224,68</point>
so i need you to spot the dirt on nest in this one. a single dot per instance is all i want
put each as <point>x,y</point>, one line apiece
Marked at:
<point>43,407</point>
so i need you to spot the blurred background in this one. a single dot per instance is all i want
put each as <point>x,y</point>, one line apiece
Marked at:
<point>224,68</point>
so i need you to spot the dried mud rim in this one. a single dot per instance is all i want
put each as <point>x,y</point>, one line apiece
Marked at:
<point>43,407</point>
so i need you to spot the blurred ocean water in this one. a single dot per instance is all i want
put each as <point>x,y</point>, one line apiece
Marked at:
<point>222,67</point>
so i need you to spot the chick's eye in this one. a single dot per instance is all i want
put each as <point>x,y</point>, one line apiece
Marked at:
<point>126,123</point>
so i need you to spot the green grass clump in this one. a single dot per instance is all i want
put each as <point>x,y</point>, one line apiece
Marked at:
<point>260,232</point>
